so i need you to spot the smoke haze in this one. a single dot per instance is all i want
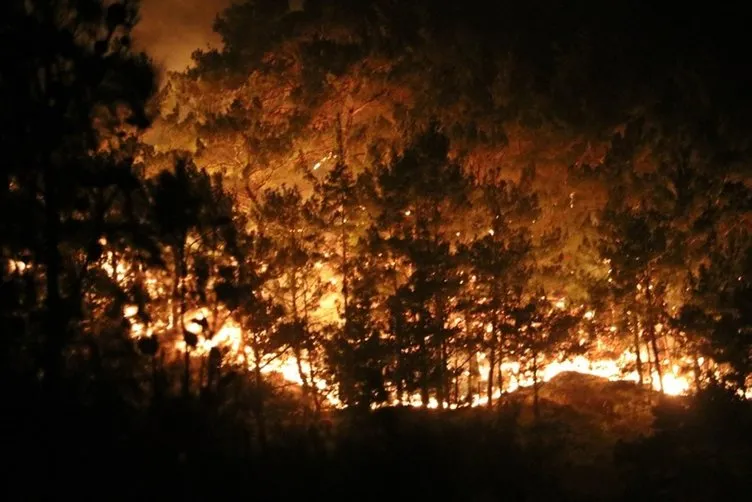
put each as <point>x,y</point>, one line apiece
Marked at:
<point>170,30</point>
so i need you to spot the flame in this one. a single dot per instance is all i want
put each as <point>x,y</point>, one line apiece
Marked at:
<point>231,337</point>
<point>601,362</point>
<point>119,272</point>
<point>17,266</point>
<point>130,311</point>
<point>675,385</point>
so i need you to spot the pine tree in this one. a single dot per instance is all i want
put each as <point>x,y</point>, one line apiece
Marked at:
<point>293,226</point>
<point>241,290</point>
<point>189,210</point>
<point>422,195</point>
<point>70,86</point>
<point>500,267</point>
<point>543,333</point>
<point>717,316</point>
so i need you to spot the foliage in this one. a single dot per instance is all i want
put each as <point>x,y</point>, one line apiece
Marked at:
<point>358,206</point>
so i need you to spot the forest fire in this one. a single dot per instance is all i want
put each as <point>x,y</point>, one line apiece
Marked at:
<point>475,379</point>
<point>674,380</point>
<point>270,272</point>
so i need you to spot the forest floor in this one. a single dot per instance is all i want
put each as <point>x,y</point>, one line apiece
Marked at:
<point>593,440</point>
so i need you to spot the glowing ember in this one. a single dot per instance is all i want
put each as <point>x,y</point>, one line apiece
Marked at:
<point>130,311</point>
<point>17,266</point>
<point>231,337</point>
<point>674,385</point>
<point>676,380</point>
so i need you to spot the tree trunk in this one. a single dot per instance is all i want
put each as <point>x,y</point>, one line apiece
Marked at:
<point>490,383</point>
<point>155,385</point>
<point>345,270</point>
<point>536,404</point>
<point>636,330</point>
<point>345,264</point>
<point>55,321</point>
<point>472,379</point>
<point>400,389</point>
<point>442,389</point>
<point>652,336</point>
<point>314,389</point>
<point>187,372</point>
<point>311,380</point>
<point>180,326</point>
<point>204,373</point>
<point>258,405</point>
<point>456,394</point>
<point>181,282</point>
<point>298,343</point>
<point>500,379</point>
<point>697,371</point>
<point>178,293</point>
<point>175,305</point>
<point>303,377</point>
<point>656,357</point>
<point>424,391</point>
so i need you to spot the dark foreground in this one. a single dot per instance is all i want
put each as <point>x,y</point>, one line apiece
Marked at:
<point>610,443</point>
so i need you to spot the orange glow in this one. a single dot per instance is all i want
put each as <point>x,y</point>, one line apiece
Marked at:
<point>130,311</point>
<point>231,337</point>
<point>603,361</point>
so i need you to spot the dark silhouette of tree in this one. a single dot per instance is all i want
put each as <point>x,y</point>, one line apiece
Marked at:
<point>292,224</point>
<point>543,332</point>
<point>716,317</point>
<point>358,353</point>
<point>345,218</point>
<point>690,439</point>
<point>500,268</point>
<point>385,191</point>
<point>422,195</point>
<point>240,288</point>
<point>70,86</point>
<point>189,210</point>
<point>633,249</point>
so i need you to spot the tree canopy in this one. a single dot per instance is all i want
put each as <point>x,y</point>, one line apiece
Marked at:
<point>362,205</point>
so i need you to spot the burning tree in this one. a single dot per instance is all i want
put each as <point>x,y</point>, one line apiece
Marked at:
<point>411,256</point>
<point>241,287</point>
<point>190,210</point>
<point>717,318</point>
<point>499,271</point>
<point>543,330</point>
<point>292,224</point>
<point>423,195</point>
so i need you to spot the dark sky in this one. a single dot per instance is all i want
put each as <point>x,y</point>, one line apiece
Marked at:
<point>170,30</point>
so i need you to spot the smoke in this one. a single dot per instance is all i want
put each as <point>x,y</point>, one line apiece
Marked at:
<point>170,30</point>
